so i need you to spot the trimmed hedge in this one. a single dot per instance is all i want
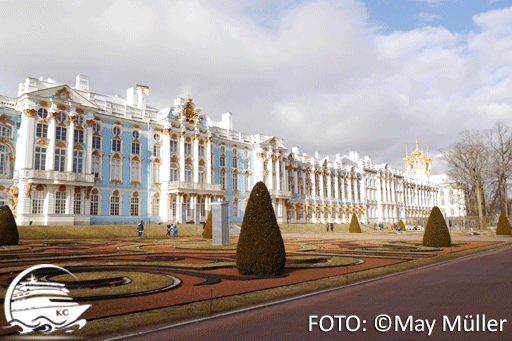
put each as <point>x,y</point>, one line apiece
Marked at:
<point>8,228</point>
<point>207,232</point>
<point>503,228</point>
<point>436,232</point>
<point>401,225</point>
<point>260,250</point>
<point>354,225</point>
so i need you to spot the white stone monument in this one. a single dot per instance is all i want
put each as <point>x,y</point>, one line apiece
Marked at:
<point>197,214</point>
<point>220,223</point>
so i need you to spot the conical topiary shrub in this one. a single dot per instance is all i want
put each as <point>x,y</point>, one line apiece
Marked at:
<point>8,228</point>
<point>260,250</point>
<point>503,228</point>
<point>436,232</point>
<point>401,225</point>
<point>354,225</point>
<point>207,232</point>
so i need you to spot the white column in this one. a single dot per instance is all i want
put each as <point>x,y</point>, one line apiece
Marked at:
<point>313,182</point>
<point>329,186</point>
<point>356,185</point>
<point>182,156</point>
<point>321,183</point>
<point>349,188</point>
<point>258,164</point>
<point>363,191</point>
<point>50,153</point>
<point>71,144</point>
<point>196,159</point>
<point>336,187</point>
<point>88,150</point>
<point>270,169</point>
<point>209,161</point>
<point>343,191</point>
<point>278,172</point>
<point>166,159</point>
<point>25,159</point>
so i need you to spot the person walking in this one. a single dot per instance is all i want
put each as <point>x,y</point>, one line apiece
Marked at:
<point>327,227</point>
<point>175,231</point>
<point>140,228</point>
<point>168,230</point>
<point>332,227</point>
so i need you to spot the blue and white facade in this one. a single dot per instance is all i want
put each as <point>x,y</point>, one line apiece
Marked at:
<point>72,156</point>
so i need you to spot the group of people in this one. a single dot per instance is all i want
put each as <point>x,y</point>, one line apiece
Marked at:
<point>173,229</point>
<point>331,225</point>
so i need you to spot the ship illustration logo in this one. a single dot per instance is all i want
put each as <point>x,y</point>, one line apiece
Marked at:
<point>42,306</point>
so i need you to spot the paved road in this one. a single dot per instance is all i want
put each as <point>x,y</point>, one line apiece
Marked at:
<point>476,285</point>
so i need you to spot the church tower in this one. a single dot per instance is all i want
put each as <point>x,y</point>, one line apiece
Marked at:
<point>418,163</point>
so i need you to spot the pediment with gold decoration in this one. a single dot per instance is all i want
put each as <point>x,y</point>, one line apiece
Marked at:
<point>64,93</point>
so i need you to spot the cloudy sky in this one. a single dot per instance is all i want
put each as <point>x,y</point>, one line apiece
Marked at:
<point>327,76</point>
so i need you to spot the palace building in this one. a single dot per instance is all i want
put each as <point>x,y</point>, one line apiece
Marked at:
<point>72,156</point>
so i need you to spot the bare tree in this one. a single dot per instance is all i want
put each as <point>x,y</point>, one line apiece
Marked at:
<point>467,161</point>
<point>500,141</point>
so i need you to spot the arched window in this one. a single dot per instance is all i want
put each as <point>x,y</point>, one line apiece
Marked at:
<point>78,162</point>
<point>42,113</point>
<point>41,130</point>
<point>5,131</point>
<point>174,172</point>
<point>155,173</point>
<point>201,175</point>
<point>4,160</point>
<point>188,173</point>
<point>235,208</point>
<point>39,158</point>
<point>60,160</point>
<point>235,182</point>
<point>135,171</point>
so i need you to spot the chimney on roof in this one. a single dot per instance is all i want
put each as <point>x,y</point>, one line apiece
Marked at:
<point>82,83</point>
<point>136,96</point>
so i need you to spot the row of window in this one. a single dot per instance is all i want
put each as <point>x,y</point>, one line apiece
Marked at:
<point>114,205</point>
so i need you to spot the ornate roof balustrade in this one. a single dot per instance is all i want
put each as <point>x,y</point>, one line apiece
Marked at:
<point>195,185</point>
<point>54,175</point>
<point>7,102</point>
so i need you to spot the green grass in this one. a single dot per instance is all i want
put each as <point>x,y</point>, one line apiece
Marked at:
<point>103,231</point>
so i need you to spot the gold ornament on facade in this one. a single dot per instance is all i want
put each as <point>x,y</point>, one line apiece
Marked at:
<point>115,193</point>
<point>72,119</point>
<point>63,94</point>
<point>42,142</point>
<point>40,187</point>
<point>259,155</point>
<point>6,120</point>
<point>53,115</point>
<point>30,113</point>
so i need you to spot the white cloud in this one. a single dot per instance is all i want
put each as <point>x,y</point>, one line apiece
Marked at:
<point>314,73</point>
<point>423,16</point>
